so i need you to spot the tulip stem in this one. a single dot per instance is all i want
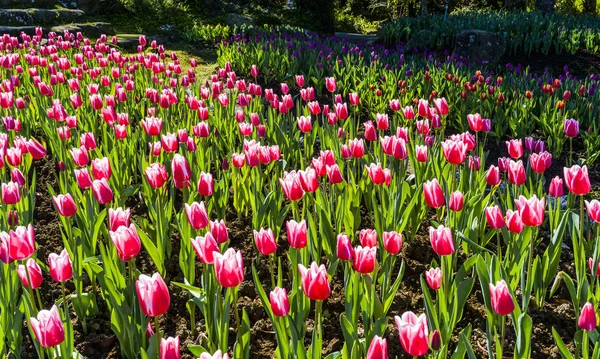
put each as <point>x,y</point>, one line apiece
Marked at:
<point>499,245</point>
<point>65,305</point>
<point>157,334</point>
<point>235,309</point>
<point>31,290</point>
<point>272,269</point>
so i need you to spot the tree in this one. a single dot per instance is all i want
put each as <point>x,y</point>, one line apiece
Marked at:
<point>317,15</point>
<point>589,7</point>
<point>424,8</point>
<point>515,4</point>
<point>545,6</point>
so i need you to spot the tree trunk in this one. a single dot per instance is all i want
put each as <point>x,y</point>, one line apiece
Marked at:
<point>424,8</point>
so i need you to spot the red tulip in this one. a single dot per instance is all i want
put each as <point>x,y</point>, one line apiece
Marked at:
<point>36,150</point>
<point>315,282</point>
<point>378,349</point>
<point>441,106</point>
<point>152,125</point>
<point>571,128</point>
<point>11,193</point>
<point>515,148</point>
<point>14,156</point>
<point>408,112</point>
<point>219,231</point>
<point>205,248</point>
<point>475,122</point>
<point>556,187</point>
<point>502,300</point>
<point>169,348</point>
<point>22,243</point>
<point>334,175</point>
<point>457,201</point>
<point>368,238</point>
<point>88,140</point>
<point>196,215</point>
<point>577,180</point>
<point>593,210</point>
<point>423,108</point>
<point>153,295</point>
<point>35,273</point>
<point>65,205</point>
<point>102,191</point>
<point>591,264</point>
<point>205,184</point>
<point>344,251</point>
<point>434,197</point>
<point>378,175</point>
<point>370,134</point>
<point>421,153</point>
<point>434,278</point>
<point>395,105</point>
<point>492,177</point>
<point>296,233</point>
<point>118,218</point>
<point>514,223</point>
<point>330,83</point>
<point>181,171</point>
<point>413,333</point>
<point>494,217</point>
<point>538,162</point>
<point>17,176</point>
<point>280,303</point>
<point>516,172</point>
<point>126,241</point>
<point>531,210</point>
<point>300,81</point>
<point>357,148</point>
<point>587,319</point>
<point>292,187</point>
<point>364,259</point>
<point>392,242</point>
<point>61,268</point>
<point>218,355</point>
<point>304,124</point>
<point>309,180</point>
<point>156,174</point>
<point>229,268</point>
<point>441,240</point>
<point>265,241</point>
<point>454,151</point>
<point>48,327</point>
<point>169,142</point>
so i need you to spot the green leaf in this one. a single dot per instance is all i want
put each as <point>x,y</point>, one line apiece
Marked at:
<point>564,351</point>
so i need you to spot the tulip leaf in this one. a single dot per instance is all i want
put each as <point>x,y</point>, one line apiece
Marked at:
<point>564,351</point>
<point>523,343</point>
<point>196,349</point>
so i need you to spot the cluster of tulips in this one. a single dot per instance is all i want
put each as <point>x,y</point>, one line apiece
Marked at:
<point>330,167</point>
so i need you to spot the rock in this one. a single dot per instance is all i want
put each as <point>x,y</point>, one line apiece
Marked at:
<point>421,40</point>
<point>238,20</point>
<point>16,30</point>
<point>93,29</point>
<point>480,45</point>
<point>88,6</point>
<point>29,3</point>
<point>16,17</point>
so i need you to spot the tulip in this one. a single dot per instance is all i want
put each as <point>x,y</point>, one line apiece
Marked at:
<point>17,176</point>
<point>516,172</point>
<point>205,184</point>
<point>556,187</point>
<point>593,210</point>
<point>152,125</point>
<point>153,295</point>
<point>156,174</point>
<point>334,175</point>
<point>494,217</point>
<point>218,229</point>
<point>587,319</point>
<point>265,241</point>
<point>330,83</point>
<point>102,191</point>
<point>280,303</point>
<point>304,124</point>
<point>378,349</point>
<point>370,134</point>
<point>22,243</point>
<point>14,156</point>
<point>392,242</point>
<point>36,150</point>
<point>577,180</point>
<point>205,248</point>
<point>368,238</point>
<point>169,348</point>
<point>475,122</point>
<point>515,148</point>
<point>11,193</point>
<point>217,355</point>
<point>118,218</point>
<point>531,210</point>
<point>378,175</point>
<point>196,215</point>
<point>169,142</point>
<point>454,151</point>
<point>292,187</point>
<point>65,205</point>
<point>434,278</point>
<point>441,106</point>
<point>571,128</point>
<point>514,223</point>
<point>502,300</point>
<point>181,171</point>
<point>61,268</point>
<point>421,153</point>
<point>88,140</point>
<point>48,327</point>
<point>492,177</point>
<point>315,282</point>
<point>35,274</point>
<point>408,112</point>
<point>441,240</point>
<point>364,259</point>
<point>126,241</point>
<point>434,197</point>
<point>457,201</point>
<point>423,108</point>
<point>80,156</point>
<point>229,268</point>
<point>414,333</point>
<point>357,148</point>
<point>296,233</point>
<point>344,251</point>
<point>591,264</point>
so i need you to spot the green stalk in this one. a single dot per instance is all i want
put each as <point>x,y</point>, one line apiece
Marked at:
<point>157,335</point>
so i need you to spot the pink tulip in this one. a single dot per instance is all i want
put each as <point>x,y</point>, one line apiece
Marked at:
<point>218,229</point>
<point>205,184</point>
<point>368,237</point>
<point>408,112</point>
<point>514,223</point>
<point>48,327</point>
<point>280,303</point>
<point>304,124</point>
<point>421,153</point>
<point>118,218</point>
<point>152,125</point>
<point>126,241</point>
<point>414,333</point>
<point>102,191</point>
<point>457,201</point>
<point>205,248</point>
<point>217,355</point>
<point>571,128</point>
<point>331,84</point>
<point>475,122</point>
<point>441,240</point>
<point>377,349</point>
<point>395,105</point>
<point>556,189</point>
<point>36,150</point>
<point>494,217</point>
<point>587,319</point>
<point>357,148</point>
<point>492,177</point>
<point>531,210</point>
<point>65,205</point>
<point>156,174</point>
<point>80,156</point>
<point>296,233</point>
<point>392,242</point>
<point>229,268</point>
<point>515,148</point>
<point>577,180</point>
<point>181,171</point>
<point>61,268</point>
<point>22,243</point>
<point>344,249</point>
<point>591,264</point>
<point>370,134</point>
<point>196,215</point>
<point>423,108</point>
<point>334,174</point>
<point>35,273</point>
<point>434,197</point>
<point>88,140</point>
<point>169,348</point>
<point>434,278</point>
<point>502,300</point>
<point>364,259</point>
<point>11,193</point>
<point>315,282</point>
<point>593,210</point>
<point>265,241</point>
<point>153,295</point>
<point>454,151</point>
<point>292,187</point>
<point>441,106</point>
<point>516,172</point>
